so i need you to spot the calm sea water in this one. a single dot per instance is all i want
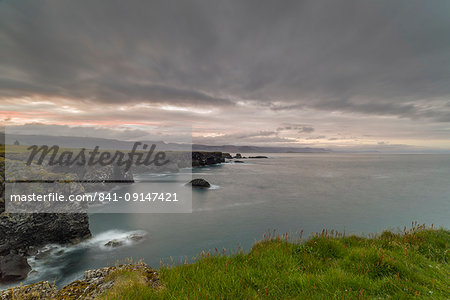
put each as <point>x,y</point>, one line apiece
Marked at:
<point>358,193</point>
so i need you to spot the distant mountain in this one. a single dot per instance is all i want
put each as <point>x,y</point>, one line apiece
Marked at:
<point>85,142</point>
<point>112,144</point>
<point>257,149</point>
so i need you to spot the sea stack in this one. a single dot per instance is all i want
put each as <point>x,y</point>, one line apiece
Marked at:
<point>199,183</point>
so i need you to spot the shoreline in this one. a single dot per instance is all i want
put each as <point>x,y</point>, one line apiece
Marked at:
<point>25,235</point>
<point>395,254</point>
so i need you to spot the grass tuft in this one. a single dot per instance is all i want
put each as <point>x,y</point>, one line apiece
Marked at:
<point>408,264</point>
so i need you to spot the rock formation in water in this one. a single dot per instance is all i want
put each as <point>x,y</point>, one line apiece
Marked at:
<point>226,155</point>
<point>199,183</point>
<point>13,267</point>
<point>206,158</point>
<point>93,284</point>
<point>22,233</point>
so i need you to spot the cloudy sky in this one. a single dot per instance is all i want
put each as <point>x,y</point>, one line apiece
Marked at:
<point>335,74</point>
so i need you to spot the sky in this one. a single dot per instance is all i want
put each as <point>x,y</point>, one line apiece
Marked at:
<point>336,74</point>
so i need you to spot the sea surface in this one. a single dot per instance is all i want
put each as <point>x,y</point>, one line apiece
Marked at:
<point>351,193</point>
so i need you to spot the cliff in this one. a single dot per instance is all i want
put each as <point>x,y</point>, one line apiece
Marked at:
<point>408,264</point>
<point>21,234</point>
<point>206,158</point>
<point>93,284</point>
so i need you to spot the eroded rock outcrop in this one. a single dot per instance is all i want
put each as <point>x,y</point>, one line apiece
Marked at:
<point>226,155</point>
<point>206,158</point>
<point>19,232</point>
<point>93,284</point>
<point>199,183</point>
<point>22,233</point>
<point>13,267</point>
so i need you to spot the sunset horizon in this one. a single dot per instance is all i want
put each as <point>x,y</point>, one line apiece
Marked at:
<point>352,76</point>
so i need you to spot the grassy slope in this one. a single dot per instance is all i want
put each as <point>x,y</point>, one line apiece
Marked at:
<point>404,265</point>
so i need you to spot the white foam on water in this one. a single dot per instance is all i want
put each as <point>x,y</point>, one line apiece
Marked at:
<point>101,239</point>
<point>46,267</point>
<point>214,187</point>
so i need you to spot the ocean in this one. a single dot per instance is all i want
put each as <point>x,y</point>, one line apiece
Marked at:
<point>288,193</point>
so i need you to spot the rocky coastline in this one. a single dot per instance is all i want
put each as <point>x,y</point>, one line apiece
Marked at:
<point>200,158</point>
<point>93,284</point>
<point>23,234</point>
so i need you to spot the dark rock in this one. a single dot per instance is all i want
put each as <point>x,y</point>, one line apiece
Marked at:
<point>25,232</point>
<point>226,155</point>
<point>31,251</point>
<point>200,183</point>
<point>2,184</point>
<point>93,285</point>
<point>40,290</point>
<point>114,243</point>
<point>22,231</point>
<point>13,267</point>
<point>206,158</point>
<point>258,156</point>
<point>238,162</point>
<point>238,155</point>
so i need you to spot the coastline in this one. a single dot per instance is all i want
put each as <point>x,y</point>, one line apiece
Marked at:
<point>237,167</point>
<point>408,263</point>
<point>25,235</point>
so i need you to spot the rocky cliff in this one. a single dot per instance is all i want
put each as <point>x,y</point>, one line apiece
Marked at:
<point>93,284</point>
<point>207,158</point>
<point>22,234</point>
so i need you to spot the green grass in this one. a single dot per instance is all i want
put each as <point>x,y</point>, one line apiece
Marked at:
<point>413,263</point>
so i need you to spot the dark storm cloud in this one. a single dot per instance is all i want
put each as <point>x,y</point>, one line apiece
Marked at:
<point>372,57</point>
<point>119,92</point>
